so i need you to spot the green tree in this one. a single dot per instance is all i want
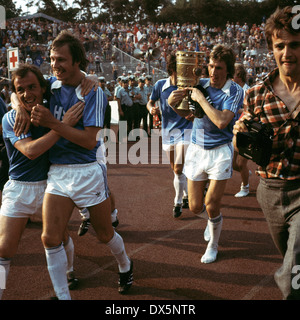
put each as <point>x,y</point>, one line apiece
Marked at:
<point>152,8</point>
<point>54,8</point>
<point>88,8</point>
<point>134,11</point>
<point>10,9</point>
<point>209,12</point>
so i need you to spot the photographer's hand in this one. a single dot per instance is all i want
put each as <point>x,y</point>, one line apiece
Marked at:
<point>239,126</point>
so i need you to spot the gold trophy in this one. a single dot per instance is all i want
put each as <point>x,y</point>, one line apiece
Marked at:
<point>188,66</point>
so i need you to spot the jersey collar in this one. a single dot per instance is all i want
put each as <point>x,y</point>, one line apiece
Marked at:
<point>225,89</point>
<point>167,84</point>
<point>57,84</point>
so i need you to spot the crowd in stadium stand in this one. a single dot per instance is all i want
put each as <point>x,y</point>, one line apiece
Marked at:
<point>33,37</point>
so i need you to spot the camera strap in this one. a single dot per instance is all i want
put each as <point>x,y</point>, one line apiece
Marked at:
<point>290,116</point>
<point>294,109</point>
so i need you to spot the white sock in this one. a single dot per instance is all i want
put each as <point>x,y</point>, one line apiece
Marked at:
<point>57,267</point>
<point>69,248</point>
<point>185,190</point>
<point>203,214</point>
<point>179,183</point>
<point>215,227</point>
<point>85,214</point>
<point>4,270</point>
<point>114,215</point>
<point>206,233</point>
<point>117,248</point>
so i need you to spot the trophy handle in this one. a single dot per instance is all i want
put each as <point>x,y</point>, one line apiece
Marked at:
<point>197,72</point>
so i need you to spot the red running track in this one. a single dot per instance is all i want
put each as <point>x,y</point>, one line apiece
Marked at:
<point>166,251</point>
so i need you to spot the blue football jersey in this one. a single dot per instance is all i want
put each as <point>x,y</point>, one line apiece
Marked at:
<point>20,167</point>
<point>63,97</point>
<point>205,132</point>
<point>174,128</point>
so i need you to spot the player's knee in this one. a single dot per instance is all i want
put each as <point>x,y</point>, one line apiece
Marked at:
<point>105,236</point>
<point>212,209</point>
<point>50,241</point>
<point>196,208</point>
<point>6,252</point>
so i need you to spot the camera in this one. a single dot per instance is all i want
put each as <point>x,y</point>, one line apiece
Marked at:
<point>256,144</point>
<point>195,107</point>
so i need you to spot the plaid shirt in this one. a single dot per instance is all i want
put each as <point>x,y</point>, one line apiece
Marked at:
<point>261,101</point>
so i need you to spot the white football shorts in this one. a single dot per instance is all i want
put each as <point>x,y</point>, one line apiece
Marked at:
<point>208,164</point>
<point>22,199</point>
<point>86,184</point>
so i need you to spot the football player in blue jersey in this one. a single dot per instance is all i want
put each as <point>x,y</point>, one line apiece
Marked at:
<point>175,131</point>
<point>209,156</point>
<point>75,177</point>
<point>28,162</point>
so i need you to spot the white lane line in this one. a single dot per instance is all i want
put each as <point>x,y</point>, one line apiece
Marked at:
<point>260,286</point>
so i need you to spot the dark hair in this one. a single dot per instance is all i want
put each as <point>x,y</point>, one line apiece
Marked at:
<point>23,70</point>
<point>171,63</point>
<point>224,53</point>
<point>280,20</point>
<point>76,47</point>
<point>240,72</point>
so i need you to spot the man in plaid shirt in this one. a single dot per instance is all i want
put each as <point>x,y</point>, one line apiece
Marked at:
<point>276,101</point>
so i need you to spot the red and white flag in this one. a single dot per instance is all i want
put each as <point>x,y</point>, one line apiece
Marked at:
<point>137,35</point>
